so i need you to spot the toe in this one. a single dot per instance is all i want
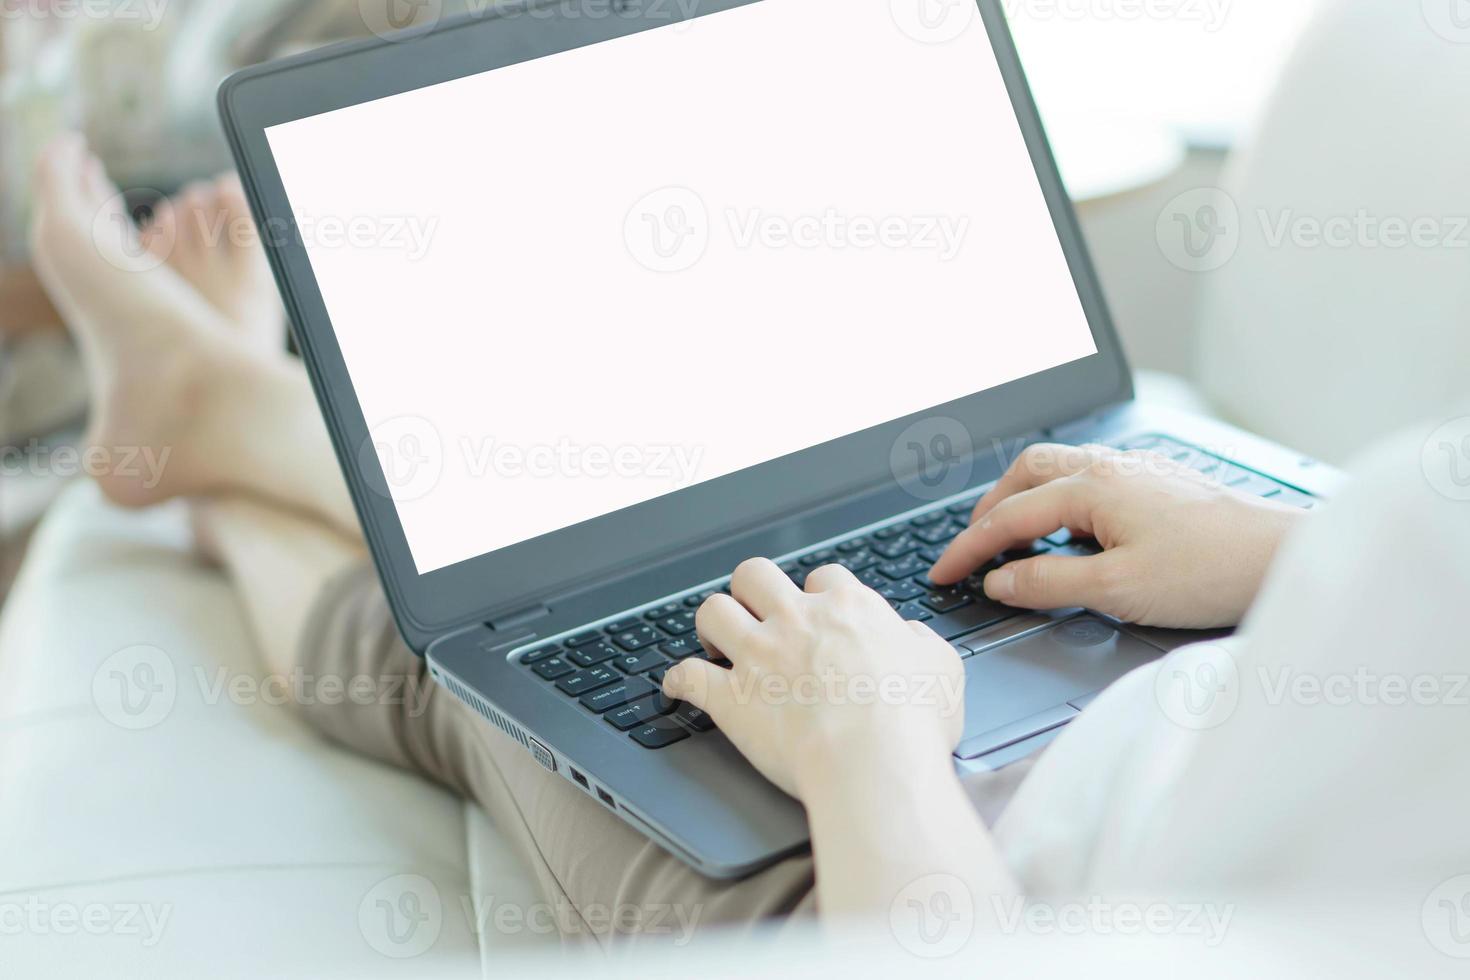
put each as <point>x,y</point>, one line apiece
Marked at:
<point>59,164</point>
<point>237,212</point>
<point>231,192</point>
<point>197,208</point>
<point>95,183</point>
<point>161,232</point>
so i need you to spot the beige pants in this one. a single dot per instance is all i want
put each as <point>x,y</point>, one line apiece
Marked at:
<point>583,856</point>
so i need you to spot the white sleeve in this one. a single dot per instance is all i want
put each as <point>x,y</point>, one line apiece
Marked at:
<point>1327,747</point>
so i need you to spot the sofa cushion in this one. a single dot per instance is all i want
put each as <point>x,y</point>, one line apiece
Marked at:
<point>150,777</point>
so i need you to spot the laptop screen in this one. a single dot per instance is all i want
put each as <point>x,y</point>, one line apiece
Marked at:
<point>572,285</point>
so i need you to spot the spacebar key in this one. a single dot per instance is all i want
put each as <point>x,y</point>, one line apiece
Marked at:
<point>618,695</point>
<point>967,619</point>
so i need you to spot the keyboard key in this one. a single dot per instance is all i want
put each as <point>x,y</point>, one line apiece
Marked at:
<point>915,611</point>
<point>678,624</point>
<point>946,600</point>
<point>637,663</point>
<point>976,582</point>
<point>672,609</point>
<point>904,567</point>
<point>659,734</point>
<point>964,508</point>
<point>856,561</point>
<point>639,712</point>
<point>624,625</point>
<point>938,534</point>
<point>1254,484</point>
<point>695,718</point>
<point>617,695</point>
<point>545,653</point>
<point>1021,554</point>
<point>657,676</point>
<point>931,555</point>
<point>825,557</point>
<point>593,654</point>
<point>585,681</point>
<point>967,619</point>
<point>856,544</point>
<point>896,548</point>
<point>552,669</point>
<point>684,646</point>
<point>637,638</point>
<point>698,599</point>
<point>900,591</point>
<point>1296,499</point>
<point>924,520</point>
<point>873,579</point>
<point>1142,442</point>
<point>581,639</point>
<point>889,533</point>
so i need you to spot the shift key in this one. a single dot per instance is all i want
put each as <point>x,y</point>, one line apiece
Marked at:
<point>618,695</point>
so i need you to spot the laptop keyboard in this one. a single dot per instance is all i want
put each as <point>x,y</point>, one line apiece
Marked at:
<point>616,670</point>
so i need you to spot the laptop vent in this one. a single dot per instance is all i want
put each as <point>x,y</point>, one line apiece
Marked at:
<point>490,714</point>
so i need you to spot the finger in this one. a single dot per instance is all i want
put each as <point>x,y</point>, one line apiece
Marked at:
<point>724,625</point>
<point>1016,520</point>
<point>829,577</point>
<point>763,588</point>
<point>1037,466</point>
<point>158,234</point>
<point>703,685</point>
<point>1053,582</point>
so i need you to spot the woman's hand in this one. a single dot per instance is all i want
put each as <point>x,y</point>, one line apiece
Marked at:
<point>1180,550</point>
<point>854,712</point>
<point>822,678</point>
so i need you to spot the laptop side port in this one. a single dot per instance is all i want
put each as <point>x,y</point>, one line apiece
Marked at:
<point>606,797</point>
<point>581,780</point>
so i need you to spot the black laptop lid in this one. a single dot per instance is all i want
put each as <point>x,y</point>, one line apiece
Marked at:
<point>578,293</point>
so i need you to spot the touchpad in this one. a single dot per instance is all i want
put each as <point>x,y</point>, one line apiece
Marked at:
<point>1024,687</point>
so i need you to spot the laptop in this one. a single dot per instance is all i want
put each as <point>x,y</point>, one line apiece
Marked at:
<point>600,300</point>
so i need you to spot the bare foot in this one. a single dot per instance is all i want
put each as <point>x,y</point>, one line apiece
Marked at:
<point>161,360</point>
<point>207,235</point>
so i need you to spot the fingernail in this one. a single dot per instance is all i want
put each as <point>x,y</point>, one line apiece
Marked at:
<point>1001,584</point>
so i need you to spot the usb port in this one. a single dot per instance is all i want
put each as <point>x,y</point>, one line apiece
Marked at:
<point>606,797</point>
<point>581,780</point>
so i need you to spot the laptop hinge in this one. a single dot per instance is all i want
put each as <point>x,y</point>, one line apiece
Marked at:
<point>519,618</point>
<point>1080,430</point>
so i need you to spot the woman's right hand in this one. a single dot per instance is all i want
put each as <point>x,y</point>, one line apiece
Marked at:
<point>1180,550</point>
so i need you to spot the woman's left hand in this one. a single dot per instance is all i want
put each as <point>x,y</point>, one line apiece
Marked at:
<point>822,676</point>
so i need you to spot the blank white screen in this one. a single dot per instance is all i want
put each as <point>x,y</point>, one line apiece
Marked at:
<point>484,248</point>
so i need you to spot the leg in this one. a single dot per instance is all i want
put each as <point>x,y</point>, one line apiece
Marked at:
<point>212,406</point>
<point>587,861</point>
